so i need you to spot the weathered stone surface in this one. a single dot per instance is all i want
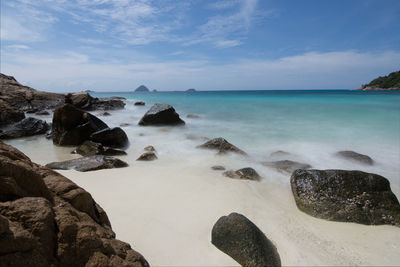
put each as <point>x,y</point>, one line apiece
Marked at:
<point>112,137</point>
<point>139,103</point>
<point>161,114</point>
<point>89,148</point>
<point>241,239</point>
<point>346,196</point>
<point>27,127</point>
<point>54,222</point>
<point>147,156</point>
<point>90,163</point>
<point>150,149</point>
<point>286,166</point>
<point>354,156</point>
<point>85,101</point>
<point>9,114</point>
<point>72,126</point>
<point>222,146</point>
<point>218,168</point>
<point>243,174</point>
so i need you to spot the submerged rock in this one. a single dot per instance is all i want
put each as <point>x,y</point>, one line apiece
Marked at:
<point>286,166</point>
<point>26,127</point>
<point>193,116</point>
<point>161,114</point>
<point>47,220</point>
<point>222,146</point>
<point>241,239</point>
<point>346,196</point>
<point>112,137</point>
<point>147,156</point>
<point>90,163</point>
<point>89,148</point>
<point>139,103</point>
<point>243,174</point>
<point>280,153</point>
<point>218,168</point>
<point>354,156</point>
<point>150,149</point>
<point>42,113</point>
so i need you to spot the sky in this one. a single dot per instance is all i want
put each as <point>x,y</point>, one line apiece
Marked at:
<point>117,45</point>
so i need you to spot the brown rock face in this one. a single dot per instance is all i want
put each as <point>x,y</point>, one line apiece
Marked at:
<point>9,114</point>
<point>47,220</point>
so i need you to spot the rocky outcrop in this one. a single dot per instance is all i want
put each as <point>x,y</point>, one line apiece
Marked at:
<point>26,127</point>
<point>25,98</point>
<point>47,220</point>
<point>142,89</point>
<point>286,166</point>
<point>90,163</point>
<point>147,156</point>
<point>222,146</point>
<point>89,148</point>
<point>356,157</point>
<point>72,126</point>
<point>112,137</point>
<point>243,174</point>
<point>85,101</point>
<point>9,114</point>
<point>346,196</point>
<point>161,114</point>
<point>241,239</point>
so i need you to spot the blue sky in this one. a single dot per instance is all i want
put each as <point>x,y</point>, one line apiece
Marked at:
<point>116,45</point>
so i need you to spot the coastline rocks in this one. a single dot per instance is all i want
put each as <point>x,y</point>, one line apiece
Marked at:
<point>26,127</point>
<point>90,163</point>
<point>147,156</point>
<point>243,174</point>
<point>50,221</point>
<point>72,126</point>
<point>222,146</point>
<point>42,113</point>
<point>356,157</point>
<point>241,239</point>
<point>345,196</point>
<point>89,148</point>
<point>84,100</point>
<point>150,149</point>
<point>9,114</point>
<point>139,103</point>
<point>112,137</point>
<point>218,168</point>
<point>161,114</point>
<point>286,166</point>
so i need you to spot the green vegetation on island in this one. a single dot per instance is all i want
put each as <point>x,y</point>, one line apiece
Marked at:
<point>389,82</point>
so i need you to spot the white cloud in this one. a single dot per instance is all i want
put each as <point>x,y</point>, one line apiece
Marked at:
<point>18,46</point>
<point>227,43</point>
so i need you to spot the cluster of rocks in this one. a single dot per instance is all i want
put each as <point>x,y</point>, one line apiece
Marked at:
<point>85,101</point>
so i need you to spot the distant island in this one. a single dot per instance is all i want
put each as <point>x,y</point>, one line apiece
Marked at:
<point>191,90</point>
<point>389,82</point>
<point>142,89</point>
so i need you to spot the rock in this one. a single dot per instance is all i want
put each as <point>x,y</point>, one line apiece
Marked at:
<point>244,174</point>
<point>80,100</point>
<point>222,146</point>
<point>147,156</point>
<point>279,153</point>
<point>9,114</point>
<point>125,124</point>
<point>72,126</point>
<point>85,101</point>
<point>193,116</point>
<point>105,114</point>
<point>286,166</point>
<point>139,103</point>
<point>191,90</point>
<point>150,149</point>
<point>90,163</point>
<point>354,156</point>
<point>51,221</point>
<point>241,239</point>
<point>89,148</point>
<point>42,113</point>
<point>345,196</point>
<point>218,168</point>
<point>26,127</point>
<point>112,137</point>
<point>161,114</point>
<point>142,89</point>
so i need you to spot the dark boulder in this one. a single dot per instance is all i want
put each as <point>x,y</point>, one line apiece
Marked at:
<point>9,114</point>
<point>112,137</point>
<point>147,156</point>
<point>218,168</point>
<point>139,103</point>
<point>243,174</point>
<point>346,196</point>
<point>286,166</point>
<point>85,101</point>
<point>354,156</point>
<point>222,146</point>
<point>42,113</point>
<point>90,163</point>
<point>161,114</point>
<point>150,149</point>
<point>26,127</point>
<point>89,148</point>
<point>241,239</point>
<point>80,100</point>
<point>72,126</point>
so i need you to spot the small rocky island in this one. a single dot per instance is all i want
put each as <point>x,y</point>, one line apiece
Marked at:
<point>142,89</point>
<point>191,90</point>
<point>389,82</point>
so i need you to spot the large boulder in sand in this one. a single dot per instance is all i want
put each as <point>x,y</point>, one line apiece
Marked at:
<point>241,239</point>
<point>112,137</point>
<point>243,174</point>
<point>222,146</point>
<point>161,114</point>
<point>286,166</point>
<point>90,163</point>
<point>89,148</point>
<point>50,221</point>
<point>9,114</point>
<point>346,196</point>
<point>84,100</point>
<point>356,157</point>
<point>72,126</point>
<point>27,127</point>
